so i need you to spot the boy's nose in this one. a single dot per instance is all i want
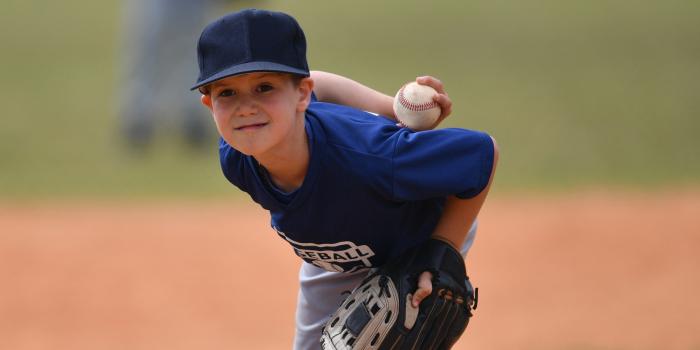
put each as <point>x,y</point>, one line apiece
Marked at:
<point>246,109</point>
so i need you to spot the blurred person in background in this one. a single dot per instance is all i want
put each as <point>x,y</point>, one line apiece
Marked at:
<point>157,59</point>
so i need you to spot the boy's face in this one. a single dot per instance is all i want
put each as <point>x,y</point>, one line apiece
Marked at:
<point>257,113</point>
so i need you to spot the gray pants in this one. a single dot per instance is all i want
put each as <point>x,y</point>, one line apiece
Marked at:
<point>321,293</point>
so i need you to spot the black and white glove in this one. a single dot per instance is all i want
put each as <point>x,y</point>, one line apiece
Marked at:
<point>378,314</point>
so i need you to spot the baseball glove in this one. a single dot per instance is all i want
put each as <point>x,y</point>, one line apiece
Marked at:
<point>378,314</point>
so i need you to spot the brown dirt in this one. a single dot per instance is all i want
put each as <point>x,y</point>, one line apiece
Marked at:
<point>575,271</point>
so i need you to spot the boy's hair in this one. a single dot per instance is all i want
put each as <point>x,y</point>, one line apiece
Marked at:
<point>250,41</point>
<point>295,78</point>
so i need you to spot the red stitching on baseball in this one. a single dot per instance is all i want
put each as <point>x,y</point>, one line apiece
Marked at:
<point>416,107</point>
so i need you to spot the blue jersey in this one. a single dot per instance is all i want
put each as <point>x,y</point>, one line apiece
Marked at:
<point>372,189</point>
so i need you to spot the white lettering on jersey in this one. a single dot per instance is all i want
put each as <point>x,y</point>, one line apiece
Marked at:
<point>343,256</point>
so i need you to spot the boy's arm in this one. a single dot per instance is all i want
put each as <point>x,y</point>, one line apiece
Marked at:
<point>340,90</point>
<point>459,214</point>
<point>453,226</point>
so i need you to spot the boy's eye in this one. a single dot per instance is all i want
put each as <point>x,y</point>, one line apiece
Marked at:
<point>264,87</point>
<point>225,93</point>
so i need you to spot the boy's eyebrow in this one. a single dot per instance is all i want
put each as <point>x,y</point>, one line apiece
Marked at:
<point>262,75</point>
<point>267,74</point>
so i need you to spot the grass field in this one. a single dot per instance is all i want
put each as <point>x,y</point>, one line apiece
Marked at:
<point>578,94</point>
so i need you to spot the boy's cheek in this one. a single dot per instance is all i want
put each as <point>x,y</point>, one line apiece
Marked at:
<point>220,125</point>
<point>219,118</point>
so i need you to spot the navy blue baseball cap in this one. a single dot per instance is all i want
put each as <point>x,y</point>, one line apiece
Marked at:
<point>251,40</point>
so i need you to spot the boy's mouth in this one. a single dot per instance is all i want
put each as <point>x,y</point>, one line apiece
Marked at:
<point>250,127</point>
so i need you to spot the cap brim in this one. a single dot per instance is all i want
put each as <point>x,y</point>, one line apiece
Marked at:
<point>249,68</point>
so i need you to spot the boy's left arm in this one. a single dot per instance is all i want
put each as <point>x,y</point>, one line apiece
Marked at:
<point>453,226</point>
<point>459,214</point>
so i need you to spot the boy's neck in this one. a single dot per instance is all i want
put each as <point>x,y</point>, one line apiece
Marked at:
<point>287,167</point>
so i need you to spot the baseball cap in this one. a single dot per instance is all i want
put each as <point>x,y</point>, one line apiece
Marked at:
<point>251,40</point>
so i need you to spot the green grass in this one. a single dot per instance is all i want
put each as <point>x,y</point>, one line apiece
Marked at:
<point>580,93</point>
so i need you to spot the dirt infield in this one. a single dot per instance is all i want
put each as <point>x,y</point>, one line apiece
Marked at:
<point>576,271</point>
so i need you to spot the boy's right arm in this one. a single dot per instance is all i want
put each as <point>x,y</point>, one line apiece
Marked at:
<point>337,89</point>
<point>340,90</point>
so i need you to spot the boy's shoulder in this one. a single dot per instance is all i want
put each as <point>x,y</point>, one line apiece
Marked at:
<point>345,115</point>
<point>351,128</point>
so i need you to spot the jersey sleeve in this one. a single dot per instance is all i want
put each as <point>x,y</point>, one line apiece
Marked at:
<point>439,163</point>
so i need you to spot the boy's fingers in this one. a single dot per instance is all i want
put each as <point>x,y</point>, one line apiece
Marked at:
<point>422,79</point>
<point>432,82</point>
<point>443,100</point>
<point>425,287</point>
<point>445,104</point>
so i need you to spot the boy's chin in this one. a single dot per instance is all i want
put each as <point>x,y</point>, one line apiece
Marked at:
<point>247,150</point>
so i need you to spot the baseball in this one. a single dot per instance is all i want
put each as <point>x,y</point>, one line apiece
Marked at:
<point>414,106</point>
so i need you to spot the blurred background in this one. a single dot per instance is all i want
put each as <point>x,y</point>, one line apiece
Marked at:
<point>593,103</point>
<point>578,93</point>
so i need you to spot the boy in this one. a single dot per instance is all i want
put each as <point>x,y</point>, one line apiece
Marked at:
<point>349,190</point>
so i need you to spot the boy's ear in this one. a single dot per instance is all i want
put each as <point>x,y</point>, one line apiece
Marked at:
<point>206,100</point>
<point>306,86</point>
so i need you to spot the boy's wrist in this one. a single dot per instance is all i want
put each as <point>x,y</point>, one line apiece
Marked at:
<point>449,241</point>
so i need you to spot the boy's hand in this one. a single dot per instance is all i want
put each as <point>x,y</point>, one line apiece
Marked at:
<point>442,99</point>
<point>425,287</point>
